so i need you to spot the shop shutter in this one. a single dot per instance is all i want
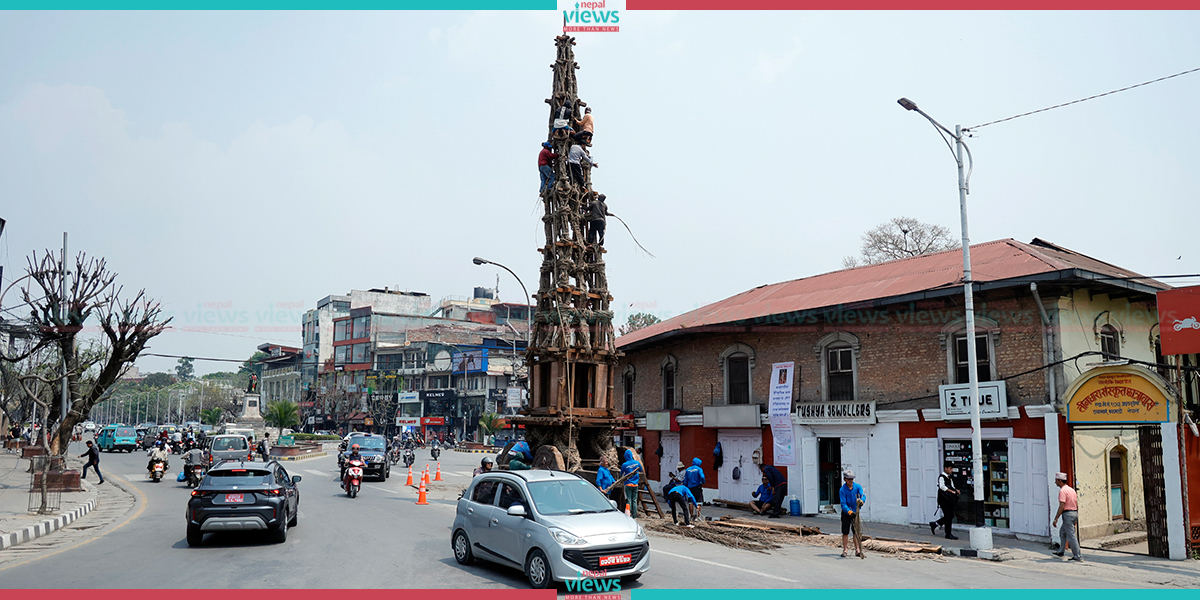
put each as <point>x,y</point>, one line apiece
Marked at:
<point>1039,513</point>
<point>1020,486</point>
<point>670,458</point>
<point>921,469</point>
<point>811,476</point>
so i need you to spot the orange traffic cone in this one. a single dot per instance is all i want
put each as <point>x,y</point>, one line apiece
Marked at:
<point>438,476</point>
<point>409,482</point>
<point>425,475</point>
<point>421,494</point>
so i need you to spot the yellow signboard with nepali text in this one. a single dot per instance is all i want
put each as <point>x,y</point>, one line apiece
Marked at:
<point>1118,397</point>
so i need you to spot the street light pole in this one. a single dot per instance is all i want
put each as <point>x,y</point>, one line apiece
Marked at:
<point>528,316</point>
<point>981,537</point>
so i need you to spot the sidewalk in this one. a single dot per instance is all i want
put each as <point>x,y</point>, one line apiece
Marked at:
<point>17,524</point>
<point>1027,554</point>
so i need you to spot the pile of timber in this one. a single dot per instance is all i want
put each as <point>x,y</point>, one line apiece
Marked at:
<point>761,536</point>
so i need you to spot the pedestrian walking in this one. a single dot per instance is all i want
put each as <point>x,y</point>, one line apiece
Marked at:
<point>545,165</point>
<point>778,488</point>
<point>93,461</point>
<point>1068,509</point>
<point>633,468</point>
<point>852,497</point>
<point>680,496</point>
<point>947,497</point>
<point>264,447</point>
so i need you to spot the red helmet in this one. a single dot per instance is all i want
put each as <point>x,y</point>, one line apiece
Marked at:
<point>354,447</point>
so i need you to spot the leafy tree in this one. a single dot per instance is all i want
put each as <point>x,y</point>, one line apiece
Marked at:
<point>184,371</point>
<point>211,416</point>
<point>282,413</point>
<point>901,237</point>
<point>158,380</point>
<point>637,321</point>
<point>489,423</point>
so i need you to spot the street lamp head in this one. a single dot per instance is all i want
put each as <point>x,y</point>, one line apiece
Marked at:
<point>907,104</point>
<point>480,261</point>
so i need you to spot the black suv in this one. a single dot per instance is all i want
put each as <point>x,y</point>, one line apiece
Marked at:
<point>373,448</point>
<point>244,496</point>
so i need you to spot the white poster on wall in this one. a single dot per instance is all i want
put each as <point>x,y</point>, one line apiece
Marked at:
<point>780,413</point>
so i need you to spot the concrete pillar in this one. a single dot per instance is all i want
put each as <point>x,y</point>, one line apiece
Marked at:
<point>1177,531</point>
<point>1053,466</point>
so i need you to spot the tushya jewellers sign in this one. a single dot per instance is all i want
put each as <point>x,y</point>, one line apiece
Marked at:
<point>835,413</point>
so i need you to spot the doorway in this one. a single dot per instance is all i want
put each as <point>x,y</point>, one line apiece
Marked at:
<point>829,465</point>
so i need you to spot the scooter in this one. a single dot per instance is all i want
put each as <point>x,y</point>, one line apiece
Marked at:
<point>157,469</point>
<point>435,452</point>
<point>354,476</point>
<point>394,455</point>
<point>410,457</point>
<point>195,476</point>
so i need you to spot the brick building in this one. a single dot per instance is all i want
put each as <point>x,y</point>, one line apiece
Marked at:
<point>880,365</point>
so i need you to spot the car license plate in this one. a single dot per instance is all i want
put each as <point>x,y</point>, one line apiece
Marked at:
<point>616,559</point>
<point>234,498</point>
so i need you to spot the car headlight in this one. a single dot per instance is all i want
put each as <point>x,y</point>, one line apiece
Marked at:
<point>641,533</point>
<point>564,537</point>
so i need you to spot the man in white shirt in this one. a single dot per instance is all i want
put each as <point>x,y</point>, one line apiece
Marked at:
<point>947,497</point>
<point>577,156</point>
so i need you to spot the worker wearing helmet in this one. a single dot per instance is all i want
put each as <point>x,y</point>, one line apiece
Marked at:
<point>485,466</point>
<point>354,455</point>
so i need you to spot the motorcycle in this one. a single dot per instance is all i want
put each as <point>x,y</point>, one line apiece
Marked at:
<point>410,457</point>
<point>195,476</point>
<point>394,455</point>
<point>435,452</point>
<point>354,476</point>
<point>156,470</point>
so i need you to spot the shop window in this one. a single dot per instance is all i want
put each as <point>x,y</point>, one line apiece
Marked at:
<point>340,354</point>
<point>669,371</point>
<point>957,453</point>
<point>362,327</point>
<point>341,330</point>
<point>1110,342</point>
<point>362,353</point>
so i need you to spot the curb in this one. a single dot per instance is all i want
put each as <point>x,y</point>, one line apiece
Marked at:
<point>476,451</point>
<point>47,526</point>
<point>305,457</point>
<point>994,555</point>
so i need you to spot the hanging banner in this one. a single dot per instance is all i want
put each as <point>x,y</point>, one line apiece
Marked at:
<point>780,413</point>
<point>1179,320</point>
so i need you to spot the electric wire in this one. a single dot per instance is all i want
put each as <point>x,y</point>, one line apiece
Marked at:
<point>1040,110</point>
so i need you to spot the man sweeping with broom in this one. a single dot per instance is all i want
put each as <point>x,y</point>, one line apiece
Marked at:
<point>852,497</point>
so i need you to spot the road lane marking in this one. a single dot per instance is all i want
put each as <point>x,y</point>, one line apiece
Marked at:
<point>315,472</point>
<point>717,564</point>
<point>140,510</point>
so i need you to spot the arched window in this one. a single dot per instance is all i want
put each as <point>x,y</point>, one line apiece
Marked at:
<point>627,389</point>
<point>670,370</point>
<point>958,360</point>
<point>838,353</point>
<point>1110,341</point>
<point>737,364</point>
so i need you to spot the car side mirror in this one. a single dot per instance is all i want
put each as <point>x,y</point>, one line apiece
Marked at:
<point>295,479</point>
<point>516,510</point>
<point>614,502</point>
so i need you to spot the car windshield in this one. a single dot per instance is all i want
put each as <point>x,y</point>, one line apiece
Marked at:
<point>371,443</point>
<point>229,443</point>
<point>239,477</point>
<point>567,497</point>
<point>126,432</point>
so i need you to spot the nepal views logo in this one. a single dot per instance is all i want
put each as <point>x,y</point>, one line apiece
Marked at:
<point>592,17</point>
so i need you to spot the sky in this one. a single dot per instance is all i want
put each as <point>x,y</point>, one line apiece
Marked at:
<point>241,166</point>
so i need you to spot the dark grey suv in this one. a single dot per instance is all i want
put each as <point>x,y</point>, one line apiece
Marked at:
<point>244,496</point>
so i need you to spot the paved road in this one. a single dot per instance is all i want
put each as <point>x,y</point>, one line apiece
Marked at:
<point>382,539</point>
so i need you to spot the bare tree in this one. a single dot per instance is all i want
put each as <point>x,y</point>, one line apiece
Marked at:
<point>92,368</point>
<point>901,237</point>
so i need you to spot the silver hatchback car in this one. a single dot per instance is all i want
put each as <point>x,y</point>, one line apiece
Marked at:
<point>553,525</point>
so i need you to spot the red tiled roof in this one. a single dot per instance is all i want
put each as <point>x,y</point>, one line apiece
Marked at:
<point>990,262</point>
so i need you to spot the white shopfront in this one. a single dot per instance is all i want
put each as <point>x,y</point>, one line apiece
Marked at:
<point>834,436</point>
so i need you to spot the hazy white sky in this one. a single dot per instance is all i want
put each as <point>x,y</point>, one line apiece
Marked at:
<point>257,162</point>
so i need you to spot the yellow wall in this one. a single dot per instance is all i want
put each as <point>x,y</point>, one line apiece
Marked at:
<point>1092,448</point>
<point>1081,316</point>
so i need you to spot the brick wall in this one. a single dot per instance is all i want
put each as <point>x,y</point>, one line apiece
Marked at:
<point>901,362</point>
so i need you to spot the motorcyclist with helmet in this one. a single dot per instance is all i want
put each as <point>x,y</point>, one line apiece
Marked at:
<point>192,458</point>
<point>485,466</point>
<point>157,453</point>
<point>354,455</point>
